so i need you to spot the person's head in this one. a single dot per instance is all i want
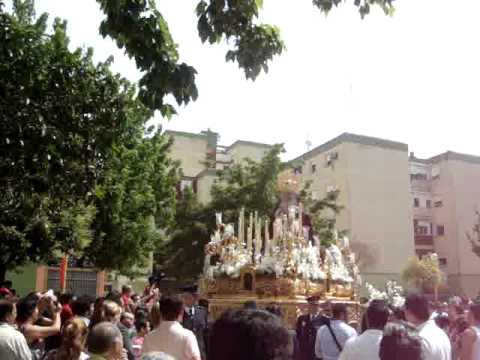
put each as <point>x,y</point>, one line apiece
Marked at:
<point>114,296</point>
<point>105,340</point>
<point>443,307</point>
<point>127,290</point>
<point>454,311</point>
<point>171,308</point>
<point>442,322</point>
<point>111,311</point>
<point>74,336</point>
<point>339,311</point>
<point>135,298</point>
<point>250,304</point>
<point>377,314</point>
<point>249,334</point>
<point>27,309</point>
<point>275,309</point>
<point>416,308</point>
<point>7,284</point>
<point>313,305</point>
<point>474,313</point>
<point>66,298</point>
<point>204,303</point>
<point>8,312</point>
<point>157,356</point>
<point>190,295</point>
<point>400,342</point>
<point>127,319</point>
<point>82,306</point>
<point>142,326</point>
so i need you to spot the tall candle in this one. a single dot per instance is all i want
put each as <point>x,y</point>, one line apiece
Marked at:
<point>250,234</point>
<point>267,238</point>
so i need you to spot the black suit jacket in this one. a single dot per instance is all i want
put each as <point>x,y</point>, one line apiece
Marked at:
<point>306,334</point>
<point>198,323</point>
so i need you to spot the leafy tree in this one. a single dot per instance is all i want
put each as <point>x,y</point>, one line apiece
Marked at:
<point>474,236</point>
<point>424,273</point>
<point>181,254</point>
<point>74,163</point>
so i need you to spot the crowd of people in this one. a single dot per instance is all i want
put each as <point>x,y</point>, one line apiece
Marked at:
<point>151,326</point>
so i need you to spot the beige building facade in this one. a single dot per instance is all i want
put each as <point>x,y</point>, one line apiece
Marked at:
<point>201,157</point>
<point>446,193</point>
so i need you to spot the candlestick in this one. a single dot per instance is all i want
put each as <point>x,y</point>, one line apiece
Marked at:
<point>250,234</point>
<point>267,238</point>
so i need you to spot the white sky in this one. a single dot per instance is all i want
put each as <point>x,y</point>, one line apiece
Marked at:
<point>413,78</point>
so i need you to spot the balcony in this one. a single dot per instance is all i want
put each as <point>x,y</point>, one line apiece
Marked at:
<point>423,240</point>
<point>423,186</point>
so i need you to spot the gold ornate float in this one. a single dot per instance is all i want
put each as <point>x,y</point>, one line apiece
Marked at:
<point>276,262</point>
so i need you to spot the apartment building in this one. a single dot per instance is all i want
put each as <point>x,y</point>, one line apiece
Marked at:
<point>201,157</point>
<point>446,192</point>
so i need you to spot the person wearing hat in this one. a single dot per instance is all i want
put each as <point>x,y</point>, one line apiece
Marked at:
<point>307,327</point>
<point>195,318</point>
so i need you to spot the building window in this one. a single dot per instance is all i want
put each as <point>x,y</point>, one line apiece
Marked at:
<point>429,204</point>
<point>438,203</point>
<point>440,230</point>
<point>442,261</point>
<point>416,202</point>
<point>298,170</point>
<point>314,168</point>
<point>421,230</point>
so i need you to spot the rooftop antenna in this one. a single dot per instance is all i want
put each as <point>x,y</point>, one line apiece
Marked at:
<point>308,143</point>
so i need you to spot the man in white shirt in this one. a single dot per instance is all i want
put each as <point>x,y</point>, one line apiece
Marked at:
<point>13,345</point>
<point>367,345</point>
<point>436,343</point>
<point>171,337</point>
<point>331,338</point>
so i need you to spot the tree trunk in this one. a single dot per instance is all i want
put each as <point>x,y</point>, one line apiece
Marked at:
<point>3,273</point>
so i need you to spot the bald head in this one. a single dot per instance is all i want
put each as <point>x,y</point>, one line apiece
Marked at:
<point>105,338</point>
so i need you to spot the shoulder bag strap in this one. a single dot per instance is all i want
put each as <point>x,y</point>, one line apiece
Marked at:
<point>334,337</point>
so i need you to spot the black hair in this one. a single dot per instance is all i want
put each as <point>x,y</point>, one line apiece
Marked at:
<point>399,342</point>
<point>171,306</point>
<point>102,338</point>
<point>442,322</point>
<point>141,323</point>
<point>65,298</point>
<point>417,304</point>
<point>338,309</point>
<point>249,334</point>
<point>82,305</point>
<point>275,309</point>
<point>7,283</point>
<point>26,307</point>
<point>114,296</point>
<point>250,304</point>
<point>6,308</point>
<point>377,314</point>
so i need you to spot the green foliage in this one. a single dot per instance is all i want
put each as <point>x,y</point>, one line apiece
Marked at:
<point>249,184</point>
<point>323,213</point>
<point>424,273</point>
<point>181,254</point>
<point>364,6</point>
<point>139,28</point>
<point>254,45</point>
<point>77,174</point>
<point>474,236</point>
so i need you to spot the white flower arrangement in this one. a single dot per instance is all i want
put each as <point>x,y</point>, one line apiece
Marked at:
<point>393,293</point>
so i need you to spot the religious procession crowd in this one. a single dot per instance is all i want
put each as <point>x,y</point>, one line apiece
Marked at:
<point>151,326</point>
